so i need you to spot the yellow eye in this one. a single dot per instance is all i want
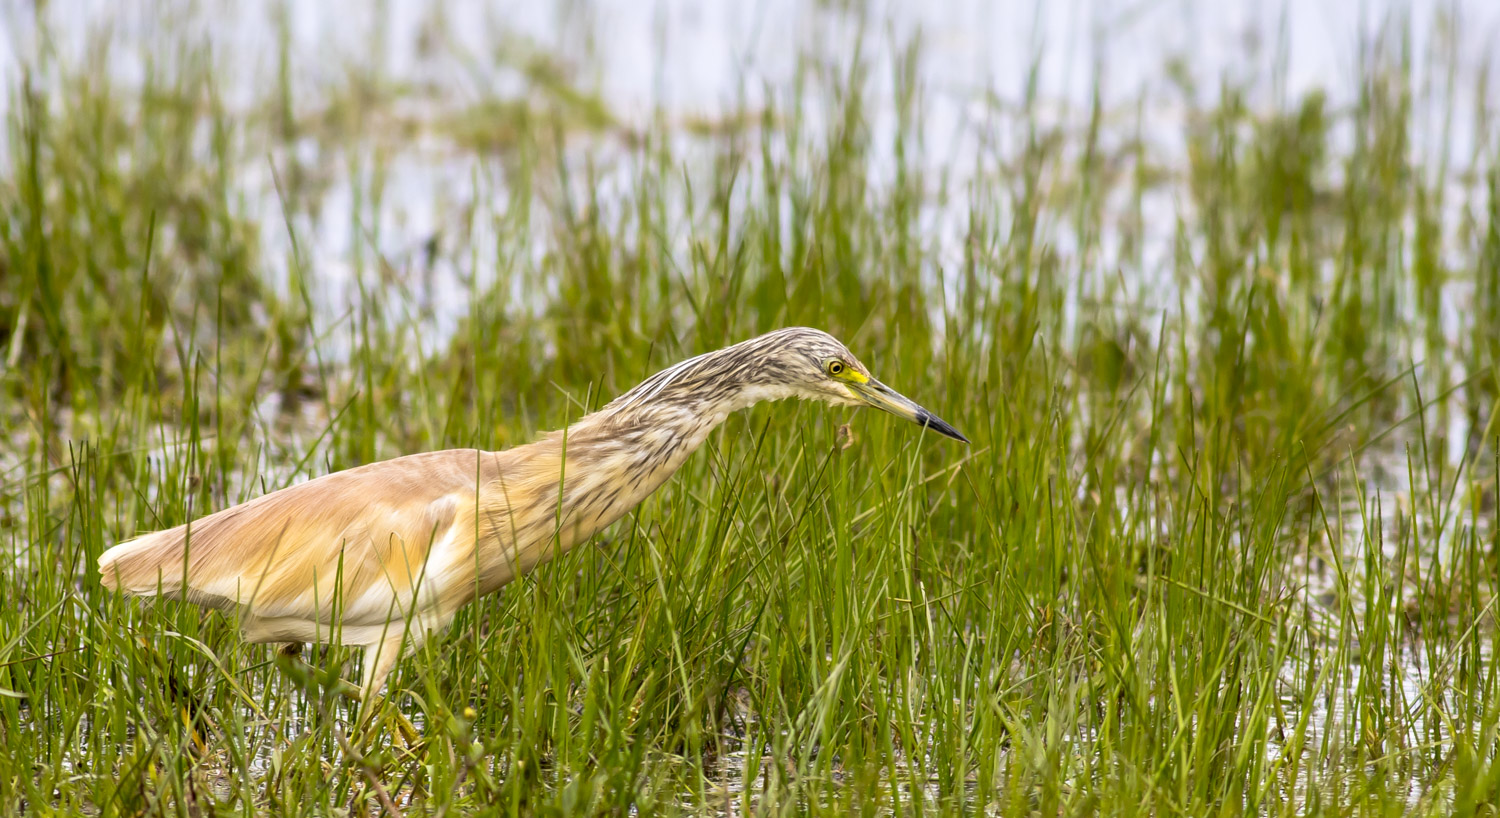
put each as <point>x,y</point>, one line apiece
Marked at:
<point>835,368</point>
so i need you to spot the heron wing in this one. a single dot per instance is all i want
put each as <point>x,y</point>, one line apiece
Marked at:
<point>354,542</point>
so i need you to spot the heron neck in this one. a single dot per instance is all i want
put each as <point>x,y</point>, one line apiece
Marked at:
<point>575,482</point>
<point>622,455</point>
<point>579,480</point>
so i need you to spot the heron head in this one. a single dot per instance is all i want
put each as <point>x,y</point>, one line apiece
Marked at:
<point>818,367</point>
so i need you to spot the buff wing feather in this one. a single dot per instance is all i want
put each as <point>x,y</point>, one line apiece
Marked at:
<point>359,543</point>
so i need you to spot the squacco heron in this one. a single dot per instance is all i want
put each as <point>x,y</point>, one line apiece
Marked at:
<point>382,556</point>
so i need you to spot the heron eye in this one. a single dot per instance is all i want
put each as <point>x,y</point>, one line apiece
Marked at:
<point>835,367</point>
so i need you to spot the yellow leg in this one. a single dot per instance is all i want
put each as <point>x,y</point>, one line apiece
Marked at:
<point>290,661</point>
<point>380,660</point>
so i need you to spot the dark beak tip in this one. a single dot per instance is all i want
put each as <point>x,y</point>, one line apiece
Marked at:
<point>940,426</point>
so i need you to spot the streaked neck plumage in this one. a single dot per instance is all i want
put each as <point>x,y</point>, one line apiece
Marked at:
<point>626,450</point>
<point>607,462</point>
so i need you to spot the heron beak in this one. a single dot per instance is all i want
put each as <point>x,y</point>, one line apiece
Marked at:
<point>881,396</point>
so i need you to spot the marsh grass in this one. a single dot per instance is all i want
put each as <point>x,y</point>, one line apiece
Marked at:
<point>1224,542</point>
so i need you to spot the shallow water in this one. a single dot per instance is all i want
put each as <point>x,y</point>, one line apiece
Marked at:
<point>696,63</point>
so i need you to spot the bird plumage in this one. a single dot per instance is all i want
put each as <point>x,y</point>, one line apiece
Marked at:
<point>385,554</point>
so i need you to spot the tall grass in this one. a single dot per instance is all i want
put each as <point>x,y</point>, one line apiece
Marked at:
<point>1214,549</point>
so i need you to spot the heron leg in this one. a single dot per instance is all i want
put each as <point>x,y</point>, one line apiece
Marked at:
<point>290,660</point>
<point>378,665</point>
<point>380,660</point>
